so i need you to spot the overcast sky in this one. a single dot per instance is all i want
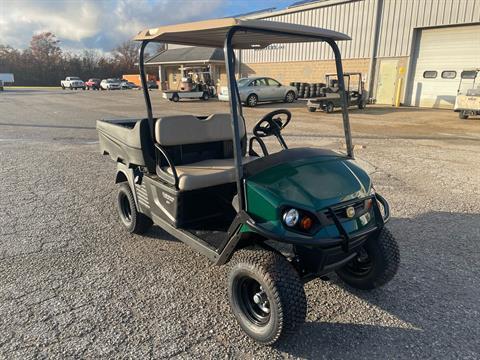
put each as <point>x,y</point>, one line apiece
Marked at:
<point>102,24</point>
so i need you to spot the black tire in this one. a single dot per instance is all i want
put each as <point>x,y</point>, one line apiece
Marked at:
<point>71,87</point>
<point>272,280</point>
<point>205,96</point>
<point>463,115</point>
<point>362,105</point>
<point>378,267</point>
<point>63,87</point>
<point>134,221</point>
<point>175,97</point>
<point>329,107</point>
<point>312,109</point>
<point>290,97</point>
<point>252,100</point>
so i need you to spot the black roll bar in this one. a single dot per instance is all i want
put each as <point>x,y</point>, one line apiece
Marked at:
<point>146,95</point>
<point>235,104</point>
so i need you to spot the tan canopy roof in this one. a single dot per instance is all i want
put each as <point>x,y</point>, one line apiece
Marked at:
<point>212,33</point>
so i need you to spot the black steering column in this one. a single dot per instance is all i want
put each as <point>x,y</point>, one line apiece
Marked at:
<point>271,124</point>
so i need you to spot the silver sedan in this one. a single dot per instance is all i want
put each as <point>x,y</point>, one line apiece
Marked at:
<point>256,89</point>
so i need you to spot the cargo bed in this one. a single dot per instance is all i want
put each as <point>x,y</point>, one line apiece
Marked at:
<point>122,140</point>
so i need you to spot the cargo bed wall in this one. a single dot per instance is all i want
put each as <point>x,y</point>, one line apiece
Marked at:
<point>121,139</point>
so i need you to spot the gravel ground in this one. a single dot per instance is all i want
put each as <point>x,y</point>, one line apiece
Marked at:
<point>74,284</point>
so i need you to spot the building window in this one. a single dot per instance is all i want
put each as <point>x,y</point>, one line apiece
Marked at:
<point>449,74</point>
<point>430,74</point>
<point>469,74</point>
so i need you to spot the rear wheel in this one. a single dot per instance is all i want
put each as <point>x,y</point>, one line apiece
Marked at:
<point>175,97</point>
<point>375,265</point>
<point>252,100</point>
<point>463,115</point>
<point>266,295</point>
<point>205,96</point>
<point>312,109</point>
<point>290,97</point>
<point>134,221</point>
<point>362,105</point>
<point>329,107</point>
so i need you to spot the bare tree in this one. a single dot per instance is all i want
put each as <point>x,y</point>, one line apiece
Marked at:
<point>126,54</point>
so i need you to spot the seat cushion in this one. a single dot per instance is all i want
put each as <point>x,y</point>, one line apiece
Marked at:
<point>207,173</point>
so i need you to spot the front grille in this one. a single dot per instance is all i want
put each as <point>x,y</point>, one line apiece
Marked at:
<point>341,212</point>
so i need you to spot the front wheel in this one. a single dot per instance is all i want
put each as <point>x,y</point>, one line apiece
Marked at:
<point>362,105</point>
<point>376,263</point>
<point>63,87</point>
<point>175,98</point>
<point>205,96</point>
<point>134,221</point>
<point>290,97</point>
<point>266,295</point>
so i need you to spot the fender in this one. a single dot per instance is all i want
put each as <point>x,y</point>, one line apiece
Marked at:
<point>126,174</point>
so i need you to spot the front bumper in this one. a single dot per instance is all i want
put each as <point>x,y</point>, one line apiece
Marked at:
<point>345,240</point>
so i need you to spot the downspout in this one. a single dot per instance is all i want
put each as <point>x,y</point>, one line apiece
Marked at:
<point>373,54</point>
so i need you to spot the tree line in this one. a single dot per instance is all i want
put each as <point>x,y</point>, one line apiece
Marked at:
<point>44,63</point>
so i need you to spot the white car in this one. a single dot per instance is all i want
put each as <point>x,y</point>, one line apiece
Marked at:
<point>256,89</point>
<point>72,82</point>
<point>110,84</point>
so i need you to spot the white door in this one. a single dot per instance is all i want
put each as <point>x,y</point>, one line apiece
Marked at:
<point>387,78</point>
<point>439,58</point>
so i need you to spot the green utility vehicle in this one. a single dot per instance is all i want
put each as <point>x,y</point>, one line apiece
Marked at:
<point>330,95</point>
<point>278,219</point>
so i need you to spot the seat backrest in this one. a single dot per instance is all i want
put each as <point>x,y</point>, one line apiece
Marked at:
<point>189,139</point>
<point>189,129</point>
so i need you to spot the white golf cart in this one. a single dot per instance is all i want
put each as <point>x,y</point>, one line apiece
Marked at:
<point>467,102</point>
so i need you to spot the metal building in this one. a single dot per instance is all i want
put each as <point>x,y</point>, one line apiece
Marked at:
<point>414,49</point>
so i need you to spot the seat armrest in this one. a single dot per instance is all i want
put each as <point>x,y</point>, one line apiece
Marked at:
<point>172,178</point>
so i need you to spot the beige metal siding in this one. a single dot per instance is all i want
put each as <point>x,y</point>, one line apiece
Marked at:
<point>356,18</point>
<point>401,17</point>
<point>350,18</point>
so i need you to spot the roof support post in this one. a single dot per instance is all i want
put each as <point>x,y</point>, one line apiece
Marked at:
<point>343,97</point>
<point>235,112</point>
<point>146,95</point>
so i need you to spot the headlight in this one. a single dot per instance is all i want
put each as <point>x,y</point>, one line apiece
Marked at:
<point>369,202</point>
<point>290,217</point>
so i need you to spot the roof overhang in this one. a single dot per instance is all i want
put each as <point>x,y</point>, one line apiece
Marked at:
<point>212,33</point>
<point>186,62</point>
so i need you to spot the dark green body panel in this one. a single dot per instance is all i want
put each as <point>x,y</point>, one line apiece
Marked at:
<point>311,184</point>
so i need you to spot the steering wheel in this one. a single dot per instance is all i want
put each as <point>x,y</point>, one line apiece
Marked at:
<point>271,124</point>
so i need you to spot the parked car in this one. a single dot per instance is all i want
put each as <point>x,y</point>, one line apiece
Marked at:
<point>110,84</point>
<point>93,84</point>
<point>72,82</point>
<point>256,89</point>
<point>128,85</point>
<point>152,84</point>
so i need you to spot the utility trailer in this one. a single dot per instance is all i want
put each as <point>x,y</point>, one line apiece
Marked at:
<point>176,95</point>
<point>330,95</point>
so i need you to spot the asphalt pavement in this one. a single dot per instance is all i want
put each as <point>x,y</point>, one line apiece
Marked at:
<point>73,284</point>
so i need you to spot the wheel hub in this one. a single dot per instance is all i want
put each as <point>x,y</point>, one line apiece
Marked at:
<point>260,298</point>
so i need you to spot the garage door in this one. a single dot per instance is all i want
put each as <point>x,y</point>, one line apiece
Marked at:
<point>440,56</point>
